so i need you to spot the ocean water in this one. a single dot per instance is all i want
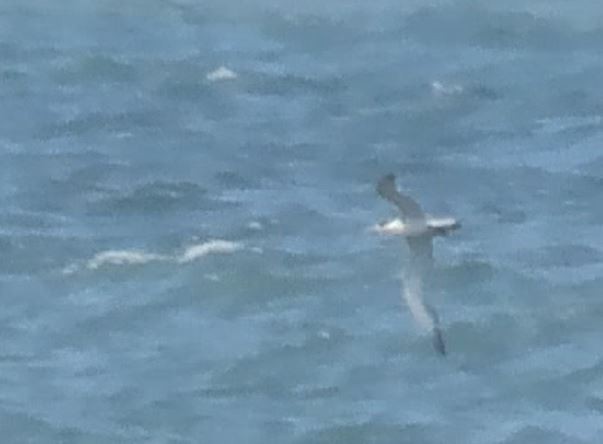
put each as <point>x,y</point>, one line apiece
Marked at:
<point>185,193</point>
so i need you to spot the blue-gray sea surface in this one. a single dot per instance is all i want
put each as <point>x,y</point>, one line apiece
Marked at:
<point>186,190</point>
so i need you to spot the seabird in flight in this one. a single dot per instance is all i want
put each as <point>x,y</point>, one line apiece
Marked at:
<point>419,230</point>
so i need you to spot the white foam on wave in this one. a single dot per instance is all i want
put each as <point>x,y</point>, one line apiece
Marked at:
<point>442,89</point>
<point>122,257</point>
<point>139,257</point>
<point>255,225</point>
<point>212,277</point>
<point>210,247</point>
<point>222,73</point>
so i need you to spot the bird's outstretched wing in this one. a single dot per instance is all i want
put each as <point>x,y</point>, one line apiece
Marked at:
<point>423,313</point>
<point>438,338</point>
<point>386,187</point>
<point>421,251</point>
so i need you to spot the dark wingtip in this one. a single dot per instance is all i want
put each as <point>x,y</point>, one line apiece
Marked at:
<point>438,342</point>
<point>391,177</point>
<point>385,183</point>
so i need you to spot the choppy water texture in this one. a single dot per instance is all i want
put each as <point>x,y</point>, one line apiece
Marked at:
<point>185,189</point>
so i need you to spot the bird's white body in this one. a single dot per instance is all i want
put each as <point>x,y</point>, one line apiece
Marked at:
<point>432,226</point>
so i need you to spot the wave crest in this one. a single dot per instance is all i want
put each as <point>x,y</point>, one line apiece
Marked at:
<point>210,247</point>
<point>139,257</point>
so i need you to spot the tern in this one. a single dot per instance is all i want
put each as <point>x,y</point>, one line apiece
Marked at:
<point>419,230</point>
